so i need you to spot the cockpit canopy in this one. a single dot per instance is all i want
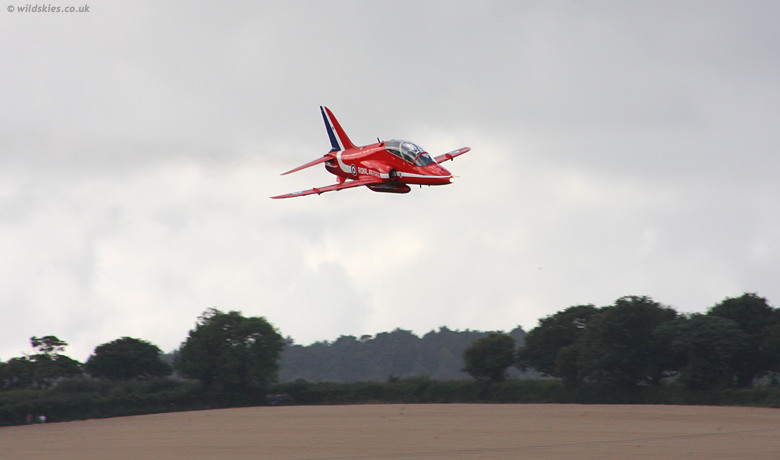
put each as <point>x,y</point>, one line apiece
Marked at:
<point>410,152</point>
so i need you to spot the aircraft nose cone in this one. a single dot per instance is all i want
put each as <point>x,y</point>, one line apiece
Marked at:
<point>444,174</point>
<point>440,171</point>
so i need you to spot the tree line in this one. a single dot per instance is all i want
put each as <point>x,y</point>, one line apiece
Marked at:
<point>636,350</point>
<point>226,351</point>
<point>638,342</point>
<point>397,354</point>
<point>230,352</point>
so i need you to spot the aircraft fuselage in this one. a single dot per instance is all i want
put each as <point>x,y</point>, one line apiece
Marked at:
<point>376,161</point>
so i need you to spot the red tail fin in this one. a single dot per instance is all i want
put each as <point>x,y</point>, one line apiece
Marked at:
<point>338,138</point>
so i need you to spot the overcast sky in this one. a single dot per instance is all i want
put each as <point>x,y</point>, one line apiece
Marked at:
<point>618,148</point>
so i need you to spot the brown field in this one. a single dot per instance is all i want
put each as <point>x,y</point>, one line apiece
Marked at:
<point>477,431</point>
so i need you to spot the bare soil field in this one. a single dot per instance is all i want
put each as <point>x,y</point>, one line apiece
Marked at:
<point>446,431</point>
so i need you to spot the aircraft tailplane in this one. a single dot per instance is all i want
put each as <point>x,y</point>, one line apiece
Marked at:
<point>338,138</point>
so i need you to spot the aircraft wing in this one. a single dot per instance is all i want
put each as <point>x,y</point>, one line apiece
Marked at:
<point>309,164</point>
<point>451,155</point>
<point>318,190</point>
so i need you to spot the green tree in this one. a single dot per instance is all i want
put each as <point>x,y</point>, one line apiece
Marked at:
<point>566,365</point>
<point>400,353</point>
<point>550,347</point>
<point>126,359</point>
<point>757,319</point>
<point>16,373</point>
<point>771,344</point>
<point>619,348</point>
<point>705,349</point>
<point>490,357</point>
<point>40,369</point>
<point>231,351</point>
<point>442,352</point>
<point>48,370</point>
<point>49,345</point>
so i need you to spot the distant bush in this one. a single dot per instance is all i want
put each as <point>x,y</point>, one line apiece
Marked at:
<point>426,390</point>
<point>84,398</point>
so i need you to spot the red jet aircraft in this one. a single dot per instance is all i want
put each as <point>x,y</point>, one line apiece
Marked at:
<point>388,166</point>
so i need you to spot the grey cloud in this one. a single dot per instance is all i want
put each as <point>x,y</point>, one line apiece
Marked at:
<point>618,148</point>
